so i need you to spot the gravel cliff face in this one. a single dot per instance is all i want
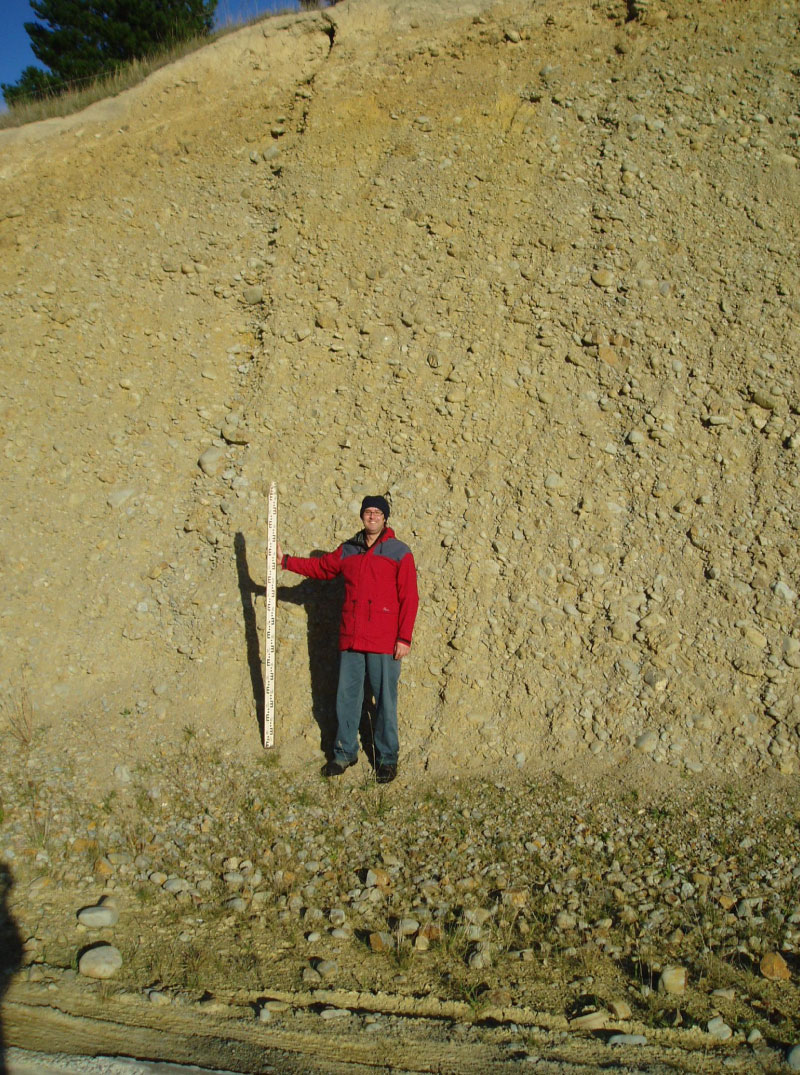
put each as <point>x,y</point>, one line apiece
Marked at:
<point>532,269</point>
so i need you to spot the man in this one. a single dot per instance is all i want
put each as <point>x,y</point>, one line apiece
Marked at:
<point>380,606</point>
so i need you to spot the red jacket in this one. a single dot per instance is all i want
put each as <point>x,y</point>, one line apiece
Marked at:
<point>380,596</point>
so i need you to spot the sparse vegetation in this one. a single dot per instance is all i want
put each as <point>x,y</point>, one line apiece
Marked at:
<point>123,77</point>
<point>18,712</point>
<point>192,943</point>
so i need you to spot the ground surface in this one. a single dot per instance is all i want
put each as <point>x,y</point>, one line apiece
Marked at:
<point>531,270</point>
<point>421,925</point>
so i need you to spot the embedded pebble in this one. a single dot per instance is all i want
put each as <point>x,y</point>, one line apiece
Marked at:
<point>603,278</point>
<point>646,742</point>
<point>176,884</point>
<point>672,981</point>
<point>209,462</point>
<point>326,968</point>
<point>120,497</point>
<point>719,1029</point>
<point>591,1020</point>
<point>334,1013</point>
<point>99,916</point>
<point>627,1039</point>
<point>381,941</point>
<point>774,967</point>
<point>101,962</point>
<point>406,926</point>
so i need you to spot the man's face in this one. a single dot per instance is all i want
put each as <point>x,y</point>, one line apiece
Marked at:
<point>373,520</point>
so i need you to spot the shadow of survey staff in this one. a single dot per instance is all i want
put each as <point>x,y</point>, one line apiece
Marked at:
<point>248,591</point>
<point>322,602</point>
<point>10,947</point>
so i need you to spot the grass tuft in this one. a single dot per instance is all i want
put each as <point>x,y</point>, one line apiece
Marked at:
<point>19,714</point>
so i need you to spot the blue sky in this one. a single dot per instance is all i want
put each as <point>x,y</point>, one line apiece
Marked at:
<point>15,52</point>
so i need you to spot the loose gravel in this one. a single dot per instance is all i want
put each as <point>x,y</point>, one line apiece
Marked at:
<point>583,898</point>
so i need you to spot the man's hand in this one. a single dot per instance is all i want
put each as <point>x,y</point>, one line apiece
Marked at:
<point>279,554</point>
<point>401,650</point>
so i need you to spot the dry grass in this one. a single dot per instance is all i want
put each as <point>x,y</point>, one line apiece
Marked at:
<point>19,716</point>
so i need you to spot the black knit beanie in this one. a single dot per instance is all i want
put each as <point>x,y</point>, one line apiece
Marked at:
<point>379,502</point>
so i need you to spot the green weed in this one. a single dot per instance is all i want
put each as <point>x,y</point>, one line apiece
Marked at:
<point>270,759</point>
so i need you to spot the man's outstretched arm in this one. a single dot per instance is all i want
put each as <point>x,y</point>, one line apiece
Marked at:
<point>327,566</point>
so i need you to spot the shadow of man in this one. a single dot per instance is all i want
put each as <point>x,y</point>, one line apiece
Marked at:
<point>322,601</point>
<point>10,948</point>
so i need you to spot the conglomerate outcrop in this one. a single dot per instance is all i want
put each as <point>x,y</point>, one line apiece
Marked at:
<point>530,269</point>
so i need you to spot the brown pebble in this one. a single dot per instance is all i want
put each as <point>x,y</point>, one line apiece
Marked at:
<point>381,942</point>
<point>773,966</point>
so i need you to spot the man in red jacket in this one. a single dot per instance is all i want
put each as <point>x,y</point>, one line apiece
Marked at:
<point>380,606</point>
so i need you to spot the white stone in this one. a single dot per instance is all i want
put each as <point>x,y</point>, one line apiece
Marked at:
<point>672,981</point>
<point>99,916</point>
<point>646,742</point>
<point>719,1029</point>
<point>119,497</point>
<point>334,1013</point>
<point>210,460</point>
<point>786,593</point>
<point>101,962</point>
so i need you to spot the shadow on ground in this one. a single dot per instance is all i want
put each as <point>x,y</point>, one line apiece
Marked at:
<point>10,947</point>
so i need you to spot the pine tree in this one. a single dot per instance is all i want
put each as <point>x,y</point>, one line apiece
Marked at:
<point>79,40</point>
<point>33,85</point>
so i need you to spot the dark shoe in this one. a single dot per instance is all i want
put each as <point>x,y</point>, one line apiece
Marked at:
<point>336,768</point>
<point>386,773</point>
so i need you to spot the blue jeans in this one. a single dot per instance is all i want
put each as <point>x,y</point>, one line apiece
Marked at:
<point>384,673</point>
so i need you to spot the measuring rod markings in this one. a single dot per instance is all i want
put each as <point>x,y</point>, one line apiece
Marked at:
<point>269,634</point>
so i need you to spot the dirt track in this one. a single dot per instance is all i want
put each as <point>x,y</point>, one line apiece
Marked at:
<point>134,1028</point>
